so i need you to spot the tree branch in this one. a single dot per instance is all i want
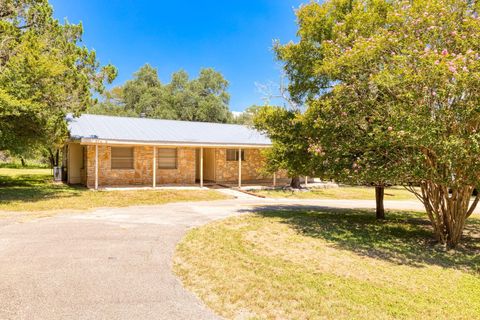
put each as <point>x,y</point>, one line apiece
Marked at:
<point>473,205</point>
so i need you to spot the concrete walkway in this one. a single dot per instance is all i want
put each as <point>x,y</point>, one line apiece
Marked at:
<point>115,263</point>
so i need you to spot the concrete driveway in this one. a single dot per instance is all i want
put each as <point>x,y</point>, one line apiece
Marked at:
<point>113,263</point>
<point>106,264</point>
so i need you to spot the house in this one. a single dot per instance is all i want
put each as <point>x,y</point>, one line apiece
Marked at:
<point>120,151</point>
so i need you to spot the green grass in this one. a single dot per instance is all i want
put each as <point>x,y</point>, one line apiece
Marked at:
<point>33,190</point>
<point>18,165</point>
<point>330,264</point>
<point>342,192</point>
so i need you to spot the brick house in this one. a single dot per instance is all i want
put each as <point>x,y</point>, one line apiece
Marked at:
<point>107,151</point>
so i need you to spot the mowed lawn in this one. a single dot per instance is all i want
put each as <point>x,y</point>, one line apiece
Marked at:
<point>33,190</point>
<point>330,264</point>
<point>342,192</point>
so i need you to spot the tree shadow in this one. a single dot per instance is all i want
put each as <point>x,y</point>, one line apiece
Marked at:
<point>403,238</point>
<point>34,187</point>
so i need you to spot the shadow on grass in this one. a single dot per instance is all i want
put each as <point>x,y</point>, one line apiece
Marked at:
<point>403,238</point>
<point>34,187</point>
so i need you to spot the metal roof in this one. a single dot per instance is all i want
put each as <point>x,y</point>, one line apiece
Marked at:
<point>126,129</point>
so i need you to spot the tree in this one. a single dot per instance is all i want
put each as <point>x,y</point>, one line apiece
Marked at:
<point>202,99</point>
<point>246,117</point>
<point>111,104</point>
<point>44,74</point>
<point>406,74</point>
<point>348,123</point>
<point>282,124</point>
<point>289,150</point>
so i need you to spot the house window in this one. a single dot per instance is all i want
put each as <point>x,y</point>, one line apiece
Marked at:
<point>167,158</point>
<point>232,155</point>
<point>122,158</point>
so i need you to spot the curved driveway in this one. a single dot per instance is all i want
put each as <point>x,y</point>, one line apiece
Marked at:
<point>113,263</point>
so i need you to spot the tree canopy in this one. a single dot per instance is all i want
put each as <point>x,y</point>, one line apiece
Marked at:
<point>391,89</point>
<point>204,98</point>
<point>44,74</point>
<point>246,117</point>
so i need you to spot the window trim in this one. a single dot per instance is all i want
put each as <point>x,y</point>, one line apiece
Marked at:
<point>236,155</point>
<point>158,159</point>
<point>133,158</point>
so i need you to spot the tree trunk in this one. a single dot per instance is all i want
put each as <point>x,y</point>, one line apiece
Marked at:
<point>295,183</point>
<point>447,212</point>
<point>53,157</point>
<point>379,194</point>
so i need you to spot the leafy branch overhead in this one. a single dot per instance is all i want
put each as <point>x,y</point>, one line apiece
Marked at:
<point>45,73</point>
<point>391,89</point>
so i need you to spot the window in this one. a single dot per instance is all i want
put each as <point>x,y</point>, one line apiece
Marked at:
<point>122,158</point>
<point>232,155</point>
<point>167,158</point>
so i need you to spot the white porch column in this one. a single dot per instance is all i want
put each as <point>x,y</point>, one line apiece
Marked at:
<point>239,167</point>
<point>201,167</point>
<point>96,167</point>
<point>154,182</point>
<point>274,179</point>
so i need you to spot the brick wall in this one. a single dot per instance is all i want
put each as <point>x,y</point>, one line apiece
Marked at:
<point>227,171</point>
<point>142,173</point>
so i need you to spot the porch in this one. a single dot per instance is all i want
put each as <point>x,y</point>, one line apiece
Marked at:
<point>151,166</point>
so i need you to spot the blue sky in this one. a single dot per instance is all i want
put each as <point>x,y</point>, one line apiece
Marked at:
<point>234,37</point>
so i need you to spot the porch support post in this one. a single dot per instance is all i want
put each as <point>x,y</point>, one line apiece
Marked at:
<point>239,167</point>
<point>306,181</point>
<point>96,167</point>
<point>201,167</point>
<point>154,182</point>
<point>274,179</point>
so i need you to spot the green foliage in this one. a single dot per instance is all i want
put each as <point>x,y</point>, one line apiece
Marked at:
<point>348,124</point>
<point>401,83</point>
<point>202,99</point>
<point>112,104</point>
<point>392,95</point>
<point>44,74</point>
<point>246,117</point>
<point>289,151</point>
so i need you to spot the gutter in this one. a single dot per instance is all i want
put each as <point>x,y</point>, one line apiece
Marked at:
<point>95,141</point>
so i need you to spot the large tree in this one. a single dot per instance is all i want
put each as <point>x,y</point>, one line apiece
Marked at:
<point>44,74</point>
<point>406,74</point>
<point>204,98</point>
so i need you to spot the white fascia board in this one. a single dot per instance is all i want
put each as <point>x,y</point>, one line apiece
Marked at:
<point>91,141</point>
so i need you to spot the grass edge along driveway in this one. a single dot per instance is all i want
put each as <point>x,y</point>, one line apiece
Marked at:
<point>330,264</point>
<point>32,190</point>
<point>340,193</point>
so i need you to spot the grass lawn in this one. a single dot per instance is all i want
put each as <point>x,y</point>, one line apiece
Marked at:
<point>330,264</point>
<point>33,190</point>
<point>342,192</point>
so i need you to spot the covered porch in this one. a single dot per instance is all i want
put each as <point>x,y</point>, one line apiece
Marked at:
<point>101,165</point>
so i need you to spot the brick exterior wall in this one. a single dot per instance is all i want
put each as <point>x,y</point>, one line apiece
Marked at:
<point>142,173</point>
<point>225,171</point>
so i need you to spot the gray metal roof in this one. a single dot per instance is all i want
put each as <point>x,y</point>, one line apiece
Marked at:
<point>127,129</point>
